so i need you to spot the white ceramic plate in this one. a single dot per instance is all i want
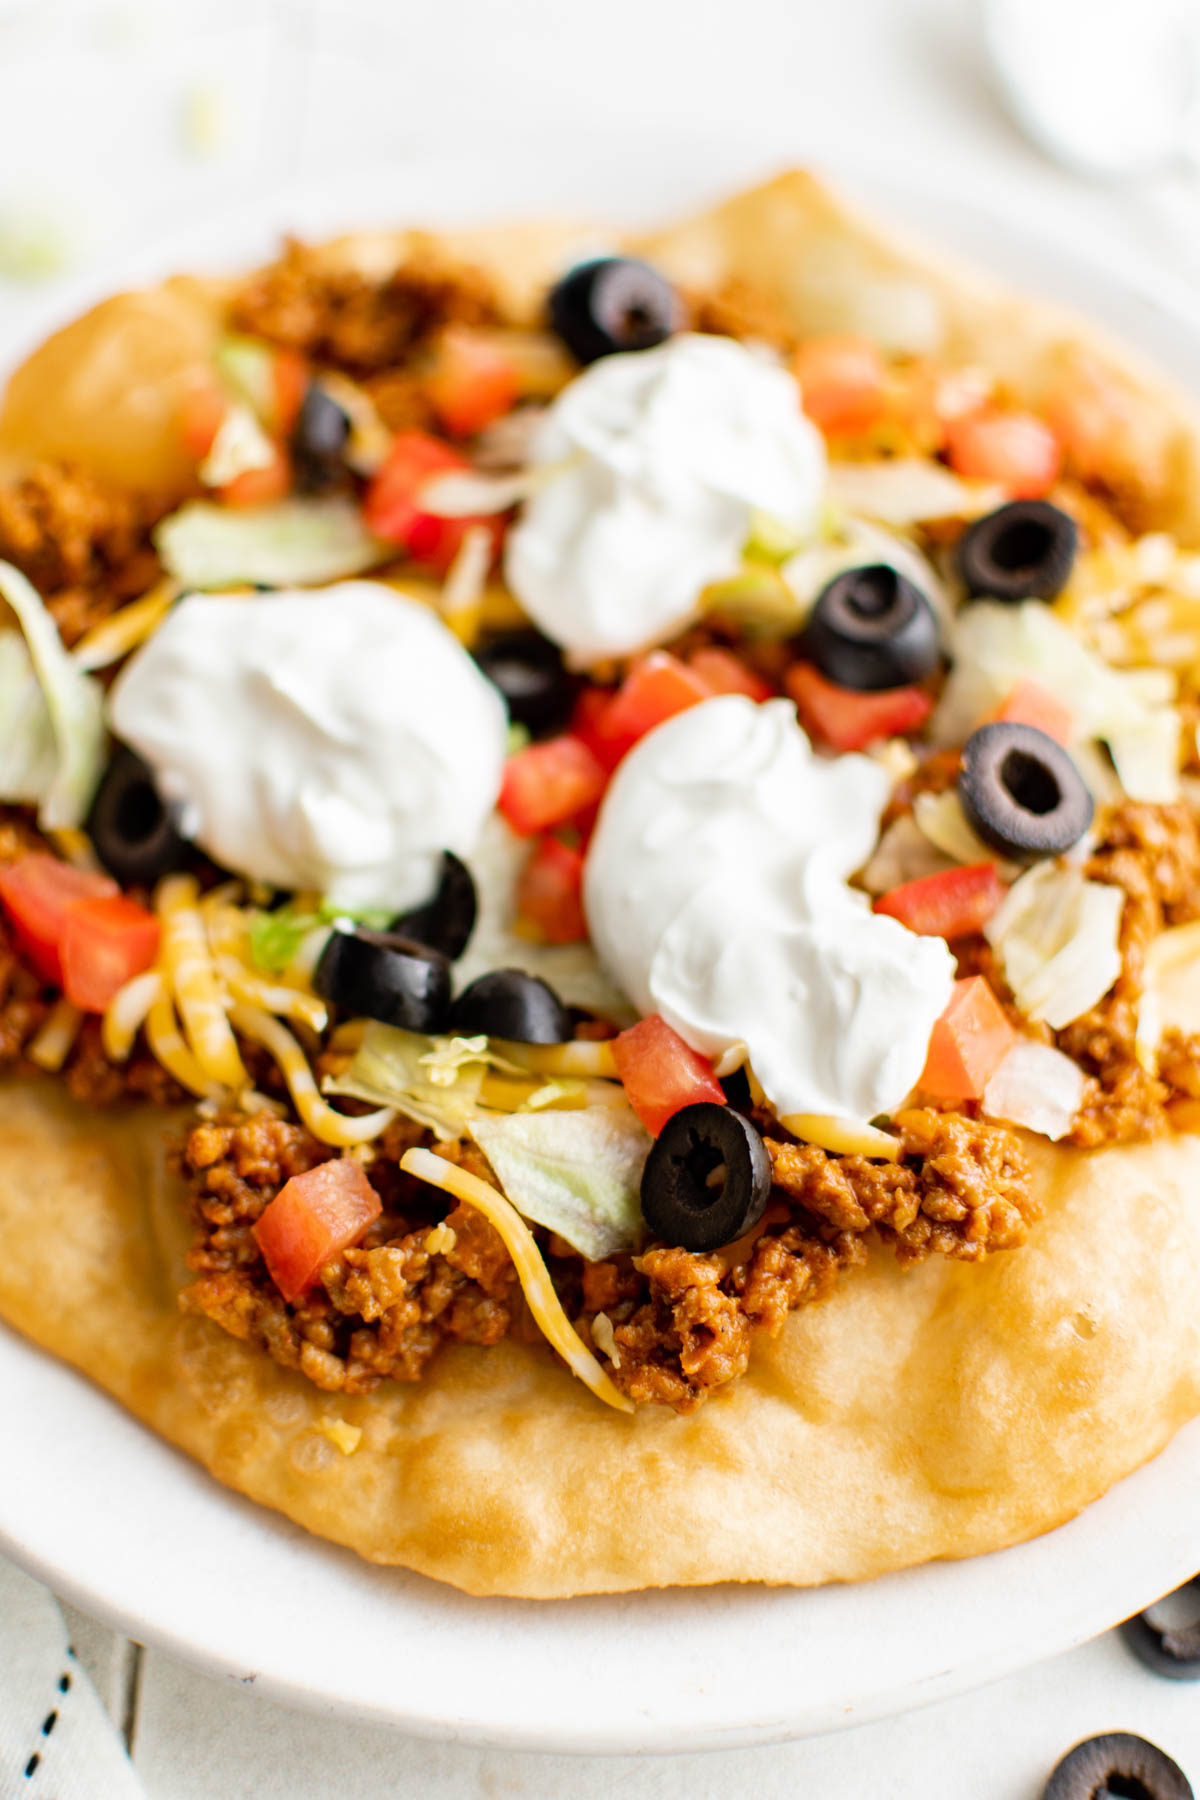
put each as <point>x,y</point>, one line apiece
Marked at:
<point>136,1534</point>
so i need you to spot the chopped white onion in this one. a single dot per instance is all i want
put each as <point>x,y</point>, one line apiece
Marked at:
<point>1036,1086</point>
<point>908,489</point>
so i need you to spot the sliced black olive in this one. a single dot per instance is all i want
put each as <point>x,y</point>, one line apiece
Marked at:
<point>1170,1650</point>
<point>614,303</point>
<point>446,922</point>
<point>1022,551</point>
<point>1021,791</point>
<point>377,975</point>
<point>528,670</point>
<point>131,828</point>
<point>319,440</point>
<point>1117,1765</point>
<point>508,1003</point>
<point>872,629</point>
<point>707,1178</point>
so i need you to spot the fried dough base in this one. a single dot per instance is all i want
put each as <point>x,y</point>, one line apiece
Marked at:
<point>937,1413</point>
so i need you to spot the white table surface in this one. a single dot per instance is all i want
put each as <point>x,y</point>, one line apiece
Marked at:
<point>119,118</point>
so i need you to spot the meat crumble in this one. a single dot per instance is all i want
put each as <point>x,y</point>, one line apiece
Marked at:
<point>683,1323</point>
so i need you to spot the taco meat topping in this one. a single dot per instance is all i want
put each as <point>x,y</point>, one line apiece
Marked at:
<point>682,1323</point>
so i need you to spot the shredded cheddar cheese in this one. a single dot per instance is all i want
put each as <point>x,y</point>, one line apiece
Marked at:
<point>56,1039</point>
<point>579,1058</point>
<point>166,1041</point>
<point>227,934</point>
<point>534,1277</point>
<point>323,1120</point>
<point>123,631</point>
<point>196,983</point>
<point>126,1013</point>
<point>844,1137</point>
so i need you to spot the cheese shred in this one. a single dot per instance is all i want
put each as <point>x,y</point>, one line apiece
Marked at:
<point>843,1137</point>
<point>166,1041</point>
<point>56,1039</point>
<point>127,1012</point>
<point>323,1120</point>
<point>193,977</point>
<point>534,1277</point>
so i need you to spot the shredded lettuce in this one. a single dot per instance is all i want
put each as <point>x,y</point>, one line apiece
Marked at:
<point>247,369</point>
<point>908,489</point>
<point>294,543</point>
<point>577,1173</point>
<point>67,714</point>
<point>1037,1087</point>
<point>995,645</point>
<point>1057,935</point>
<point>409,1071</point>
<point>276,937</point>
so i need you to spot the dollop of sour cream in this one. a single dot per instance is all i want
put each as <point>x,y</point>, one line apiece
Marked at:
<point>664,455</point>
<point>336,739</point>
<point>716,894</point>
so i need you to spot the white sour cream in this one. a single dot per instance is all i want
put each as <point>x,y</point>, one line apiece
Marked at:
<point>716,895</point>
<point>337,739</point>
<point>665,455</point>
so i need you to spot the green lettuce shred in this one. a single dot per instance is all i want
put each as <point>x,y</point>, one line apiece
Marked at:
<point>578,1172</point>
<point>51,742</point>
<point>295,543</point>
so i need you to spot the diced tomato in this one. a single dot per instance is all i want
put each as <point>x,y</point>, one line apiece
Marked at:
<point>661,1074</point>
<point>844,718</point>
<point>1016,449</point>
<point>289,382</point>
<point>968,1043</point>
<point>473,381</point>
<point>546,784</point>
<point>393,501</point>
<point>260,487</point>
<point>105,942</point>
<point>843,382</point>
<point>550,892</point>
<point>1092,413</point>
<point>37,892</point>
<point>312,1219</point>
<point>202,410</point>
<point>724,673</point>
<point>587,722</point>
<point>1032,704</point>
<point>926,397</point>
<point>655,689</point>
<point>951,904</point>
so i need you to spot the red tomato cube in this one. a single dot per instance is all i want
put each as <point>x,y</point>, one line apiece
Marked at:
<point>105,942</point>
<point>550,892</point>
<point>843,381</point>
<point>1016,449</point>
<point>37,892</point>
<point>724,673</point>
<point>661,1074</point>
<point>260,487</point>
<point>547,784</point>
<point>951,904</point>
<point>968,1043</point>
<point>312,1219</point>
<point>473,382</point>
<point>844,718</point>
<point>1032,704</point>
<point>393,509</point>
<point>655,689</point>
<point>202,409</point>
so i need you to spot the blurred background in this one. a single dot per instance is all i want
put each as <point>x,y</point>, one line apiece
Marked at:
<point>125,122</point>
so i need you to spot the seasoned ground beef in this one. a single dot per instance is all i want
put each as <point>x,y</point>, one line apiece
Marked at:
<point>351,322</point>
<point>738,310</point>
<point>681,1323</point>
<point>85,546</point>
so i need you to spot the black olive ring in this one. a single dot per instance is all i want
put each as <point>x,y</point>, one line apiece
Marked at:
<point>1117,1763</point>
<point>707,1178</point>
<point>1021,792</point>
<point>611,304</point>
<point>871,629</point>
<point>377,975</point>
<point>1022,551</point>
<point>1173,1651</point>
<point>446,922</point>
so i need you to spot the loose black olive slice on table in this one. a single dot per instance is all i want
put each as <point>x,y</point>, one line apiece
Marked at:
<point>1021,792</point>
<point>614,303</point>
<point>707,1178</point>
<point>377,975</point>
<point>1022,551</point>
<point>508,1003</point>
<point>870,629</point>
<point>1120,1766</point>
<point>1170,1650</point>
<point>446,922</point>
<point>131,827</point>
<point>319,440</point>
<point>529,672</point>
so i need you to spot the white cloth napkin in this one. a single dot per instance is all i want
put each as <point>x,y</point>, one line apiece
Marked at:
<point>56,1740</point>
